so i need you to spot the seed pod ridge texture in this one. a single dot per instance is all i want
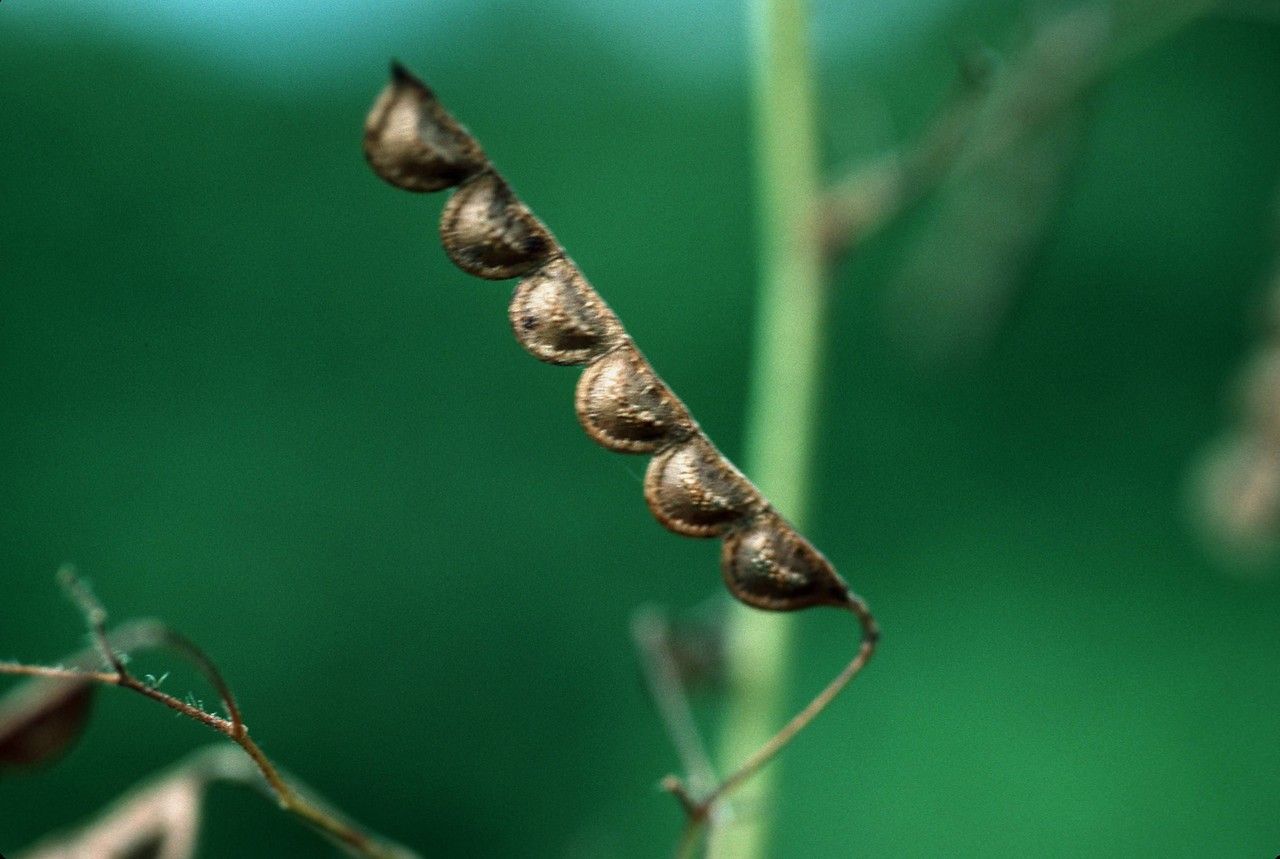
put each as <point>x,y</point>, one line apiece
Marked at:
<point>559,318</point>
<point>412,142</point>
<point>694,491</point>
<point>624,406</point>
<point>489,233</point>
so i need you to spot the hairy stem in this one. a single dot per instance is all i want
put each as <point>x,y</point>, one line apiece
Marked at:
<point>780,422</point>
<point>146,634</point>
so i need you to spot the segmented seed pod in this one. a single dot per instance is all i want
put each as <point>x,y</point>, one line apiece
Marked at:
<point>560,319</point>
<point>411,141</point>
<point>769,565</point>
<point>488,232</point>
<point>621,403</point>
<point>693,490</point>
<point>624,406</point>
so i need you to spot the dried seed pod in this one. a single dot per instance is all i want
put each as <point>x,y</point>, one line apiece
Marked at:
<point>560,319</point>
<point>412,142</point>
<point>624,406</point>
<point>488,232</point>
<point>770,566</point>
<point>693,490</point>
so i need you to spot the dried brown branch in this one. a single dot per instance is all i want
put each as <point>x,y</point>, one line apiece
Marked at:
<point>77,673</point>
<point>996,155</point>
<point>871,195</point>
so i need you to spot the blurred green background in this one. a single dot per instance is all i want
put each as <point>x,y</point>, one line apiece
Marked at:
<point>242,388</point>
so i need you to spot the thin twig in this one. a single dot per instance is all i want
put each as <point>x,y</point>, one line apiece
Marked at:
<point>767,752</point>
<point>873,194</point>
<point>690,835</point>
<point>651,632</point>
<point>703,810</point>
<point>108,647</point>
<point>95,616</point>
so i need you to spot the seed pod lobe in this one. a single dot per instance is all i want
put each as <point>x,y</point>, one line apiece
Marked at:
<point>768,565</point>
<point>693,490</point>
<point>559,318</point>
<point>488,232</point>
<point>624,406</point>
<point>412,142</point>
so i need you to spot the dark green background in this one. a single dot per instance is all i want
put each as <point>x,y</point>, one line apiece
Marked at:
<point>242,388</point>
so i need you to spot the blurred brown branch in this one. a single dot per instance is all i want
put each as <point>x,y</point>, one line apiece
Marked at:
<point>996,155</point>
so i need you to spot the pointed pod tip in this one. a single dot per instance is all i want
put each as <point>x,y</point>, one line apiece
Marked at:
<point>399,72</point>
<point>401,76</point>
<point>412,142</point>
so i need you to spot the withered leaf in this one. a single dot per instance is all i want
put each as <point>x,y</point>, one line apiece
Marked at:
<point>41,719</point>
<point>159,821</point>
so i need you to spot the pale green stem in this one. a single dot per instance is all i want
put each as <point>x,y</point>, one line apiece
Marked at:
<point>784,383</point>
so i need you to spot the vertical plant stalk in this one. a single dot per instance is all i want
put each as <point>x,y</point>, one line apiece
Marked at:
<point>784,382</point>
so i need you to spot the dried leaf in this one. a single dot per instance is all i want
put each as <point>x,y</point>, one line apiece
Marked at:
<point>160,821</point>
<point>41,719</point>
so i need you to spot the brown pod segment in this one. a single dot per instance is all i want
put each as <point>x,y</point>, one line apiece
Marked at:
<point>488,232</point>
<point>624,406</point>
<point>412,142</point>
<point>693,490</point>
<point>770,566</point>
<point>40,721</point>
<point>560,319</point>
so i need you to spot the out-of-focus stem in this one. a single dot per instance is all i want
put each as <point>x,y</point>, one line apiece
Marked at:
<point>784,381</point>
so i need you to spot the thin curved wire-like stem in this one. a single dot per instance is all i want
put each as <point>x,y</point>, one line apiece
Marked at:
<point>779,741</point>
<point>702,810</point>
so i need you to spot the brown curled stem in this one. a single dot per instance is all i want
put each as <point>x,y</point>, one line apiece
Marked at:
<point>699,810</point>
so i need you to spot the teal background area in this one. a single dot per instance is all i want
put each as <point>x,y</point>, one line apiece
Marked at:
<point>243,390</point>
